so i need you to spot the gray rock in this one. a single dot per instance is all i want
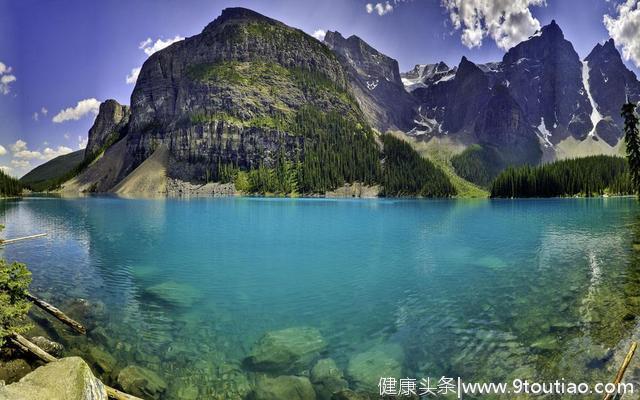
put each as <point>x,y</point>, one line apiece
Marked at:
<point>283,387</point>
<point>327,378</point>
<point>66,379</point>
<point>350,395</point>
<point>382,361</point>
<point>287,350</point>
<point>109,126</point>
<point>104,362</point>
<point>175,293</point>
<point>141,382</point>
<point>51,347</point>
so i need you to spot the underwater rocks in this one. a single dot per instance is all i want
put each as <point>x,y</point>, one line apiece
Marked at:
<point>65,379</point>
<point>287,350</point>
<point>327,379</point>
<point>365,369</point>
<point>283,387</point>
<point>51,347</point>
<point>13,370</point>
<point>174,293</point>
<point>141,382</point>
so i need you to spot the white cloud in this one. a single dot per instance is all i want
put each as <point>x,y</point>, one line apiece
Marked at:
<point>21,152</point>
<point>44,111</point>
<point>149,47</point>
<point>81,109</point>
<point>3,151</point>
<point>50,153</point>
<point>21,163</point>
<point>66,136</point>
<point>36,116</point>
<point>624,28</point>
<point>132,78</point>
<point>507,22</point>
<point>82,142</point>
<point>6,169</point>
<point>6,79</point>
<point>319,34</point>
<point>380,8</point>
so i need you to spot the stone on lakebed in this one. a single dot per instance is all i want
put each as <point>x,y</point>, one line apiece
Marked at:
<point>286,350</point>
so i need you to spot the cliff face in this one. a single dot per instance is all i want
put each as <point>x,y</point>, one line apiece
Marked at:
<point>221,96</point>
<point>110,126</point>
<point>375,81</point>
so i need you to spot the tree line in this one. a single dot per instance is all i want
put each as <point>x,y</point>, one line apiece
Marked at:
<point>9,186</point>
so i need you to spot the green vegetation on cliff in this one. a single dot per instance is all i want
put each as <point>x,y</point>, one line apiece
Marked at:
<point>589,176</point>
<point>49,174</point>
<point>9,186</point>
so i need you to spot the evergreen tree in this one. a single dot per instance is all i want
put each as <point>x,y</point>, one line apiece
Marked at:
<point>633,143</point>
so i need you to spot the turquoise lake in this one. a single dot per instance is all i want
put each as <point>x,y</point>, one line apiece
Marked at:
<point>485,290</point>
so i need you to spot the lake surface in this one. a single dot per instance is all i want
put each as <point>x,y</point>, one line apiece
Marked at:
<point>484,290</point>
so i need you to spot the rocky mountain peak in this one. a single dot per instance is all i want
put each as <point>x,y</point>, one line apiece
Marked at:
<point>109,126</point>
<point>552,30</point>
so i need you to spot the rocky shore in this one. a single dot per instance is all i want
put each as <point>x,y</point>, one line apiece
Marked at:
<point>291,363</point>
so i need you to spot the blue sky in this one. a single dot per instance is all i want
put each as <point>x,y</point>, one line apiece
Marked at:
<point>69,55</point>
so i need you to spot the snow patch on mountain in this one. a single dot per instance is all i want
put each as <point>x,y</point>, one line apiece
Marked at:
<point>544,134</point>
<point>595,114</point>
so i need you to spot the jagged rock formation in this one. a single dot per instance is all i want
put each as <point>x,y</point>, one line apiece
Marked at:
<point>375,81</point>
<point>611,84</point>
<point>110,126</point>
<point>545,91</point>
<point>216,97</point>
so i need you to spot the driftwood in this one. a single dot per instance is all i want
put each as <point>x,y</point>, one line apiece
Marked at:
<point>623,369</point>
<point>8,241</point>
<point>76,326</point>
<point>25,345</point>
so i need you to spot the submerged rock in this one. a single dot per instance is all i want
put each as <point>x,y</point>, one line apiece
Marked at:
<point>51,347</point>
<point>382,361</point>
<point>177,294</point>
<point>13,370</point>
<point>103,361</point>
<point>283,387</point>
<point>66,379</point>
<point>287,350</point>
<point>350,395</point>
<point>141,382</point>
<point>327,378</point>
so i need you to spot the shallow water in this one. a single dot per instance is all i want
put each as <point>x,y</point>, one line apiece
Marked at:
<point>484,290</point>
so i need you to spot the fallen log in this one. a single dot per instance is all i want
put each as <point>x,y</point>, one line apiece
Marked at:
<point>623,369</point>
<point>75,325</point>
<point>8,241</point>
<point>25,345</point>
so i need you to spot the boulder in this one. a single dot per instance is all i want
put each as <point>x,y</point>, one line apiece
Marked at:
<point>350,395</point>
<point>175,293</point>
<point>141,382</point>
<point>381,361</point>
<point>66,379</point>
<point>283,387</point>
<point>287,350</point>
<point>327,378</point>
<point>51,347</point>
<point>103,361</point>
<point>13,370</point>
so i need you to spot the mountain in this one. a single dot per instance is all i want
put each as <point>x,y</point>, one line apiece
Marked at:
<point>255,103</point>
<point>375,81</point>
<point>47,174</point>
<point>550,103</point>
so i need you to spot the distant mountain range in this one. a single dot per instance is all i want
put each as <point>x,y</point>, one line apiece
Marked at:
<point>237,95</point>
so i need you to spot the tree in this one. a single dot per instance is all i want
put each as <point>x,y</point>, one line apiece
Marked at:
<point>15,279</point>
<point>633,143</point>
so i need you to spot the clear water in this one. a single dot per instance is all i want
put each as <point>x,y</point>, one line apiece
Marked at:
<point>485,290</point>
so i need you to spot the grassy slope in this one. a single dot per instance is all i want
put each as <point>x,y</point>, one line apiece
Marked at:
<point>53,169</point>
<point>439,151</point>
